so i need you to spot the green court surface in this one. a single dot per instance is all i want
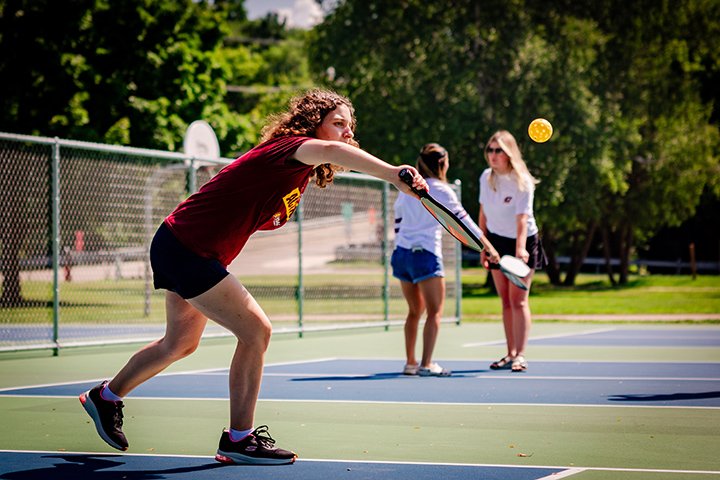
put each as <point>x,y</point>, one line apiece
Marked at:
<point>593,441</point>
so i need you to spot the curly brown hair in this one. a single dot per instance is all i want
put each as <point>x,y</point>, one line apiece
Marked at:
<point>305,114</point>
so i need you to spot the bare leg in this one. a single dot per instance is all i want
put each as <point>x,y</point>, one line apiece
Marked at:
<point>433,291</point>
<point>416,306</point>
<point>521,317</point>
<point>182,335</point>
<point>502,285</point>
<point>231,305</point>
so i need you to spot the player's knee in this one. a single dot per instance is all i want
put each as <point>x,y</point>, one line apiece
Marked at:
<point>434,316</point>
<point>264,334</point>
<point>180,349</point>
<point>257,337</point>
<point>413,316</point>
<point>519,304</point>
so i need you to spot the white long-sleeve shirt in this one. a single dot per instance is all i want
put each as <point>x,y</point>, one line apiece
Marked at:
<point>416,228</point>
<point>502,205</point>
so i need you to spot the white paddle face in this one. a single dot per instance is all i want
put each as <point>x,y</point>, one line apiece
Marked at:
<point>515,270</point>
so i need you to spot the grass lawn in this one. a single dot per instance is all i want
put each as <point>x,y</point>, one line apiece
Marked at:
<point>593,294</point>
<point>123,301</point>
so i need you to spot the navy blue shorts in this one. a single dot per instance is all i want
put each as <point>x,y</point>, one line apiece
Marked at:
<point>178,269</point>
<point>506,246</point>
<point>415,265</point>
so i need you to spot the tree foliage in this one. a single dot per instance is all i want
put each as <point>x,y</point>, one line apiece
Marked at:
<point>138,72</point>
<point>133,72</point>
<point>633,146</point>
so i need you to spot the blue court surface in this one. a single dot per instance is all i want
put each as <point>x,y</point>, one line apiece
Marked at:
<point>47,466</point>
<point>552,383</point>
<point>676,384</point>
<point>627,337</point>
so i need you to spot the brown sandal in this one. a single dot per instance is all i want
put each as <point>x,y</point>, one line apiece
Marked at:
<point>519,364</point>
<point>502,363</point>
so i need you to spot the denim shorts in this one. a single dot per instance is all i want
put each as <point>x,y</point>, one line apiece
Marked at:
<point>415,265</point>
<point>178,269</point>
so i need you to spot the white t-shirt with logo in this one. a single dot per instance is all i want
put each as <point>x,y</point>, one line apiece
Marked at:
<point>416,228</point>
<point>502,205</point>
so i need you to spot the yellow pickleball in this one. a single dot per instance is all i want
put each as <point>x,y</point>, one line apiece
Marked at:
<point>540,130</point>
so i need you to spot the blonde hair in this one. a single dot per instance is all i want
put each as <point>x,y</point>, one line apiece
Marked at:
<point>303,117</point>
<point>518,168</point>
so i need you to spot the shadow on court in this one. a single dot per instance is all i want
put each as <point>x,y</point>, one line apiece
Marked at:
<point>93,466</point>
<point>664,397</point>
<point>36,466</point>
<point>381,376</point>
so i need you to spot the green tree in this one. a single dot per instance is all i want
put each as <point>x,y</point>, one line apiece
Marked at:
<point>133,72</point>
<point>660,56</point>
<point>424,72</point>
<point>421,72</point>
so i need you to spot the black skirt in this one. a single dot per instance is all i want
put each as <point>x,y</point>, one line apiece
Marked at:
<point>506,246</point>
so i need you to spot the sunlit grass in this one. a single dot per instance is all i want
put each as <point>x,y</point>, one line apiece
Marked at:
<point>124,301</point>
<point>595,295</point>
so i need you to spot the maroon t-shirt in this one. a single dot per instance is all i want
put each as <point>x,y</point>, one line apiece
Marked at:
<point>258,191</point>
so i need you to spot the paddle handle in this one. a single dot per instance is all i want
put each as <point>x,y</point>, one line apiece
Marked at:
<point>407,177</point>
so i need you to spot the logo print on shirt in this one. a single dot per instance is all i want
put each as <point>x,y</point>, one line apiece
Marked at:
<point>507,199</point>
<point>291,201</point>
<point>276,220</point>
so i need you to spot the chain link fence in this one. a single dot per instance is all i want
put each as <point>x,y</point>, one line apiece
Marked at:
<point>77,219</point>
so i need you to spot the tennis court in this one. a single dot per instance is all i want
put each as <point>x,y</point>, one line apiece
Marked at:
<point>599,401</point>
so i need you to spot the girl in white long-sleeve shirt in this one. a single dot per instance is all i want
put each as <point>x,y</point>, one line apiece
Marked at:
<point>417,260</point>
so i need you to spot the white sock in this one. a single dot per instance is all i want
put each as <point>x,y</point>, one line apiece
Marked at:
<point>107,394</point>
<point>237,435</point>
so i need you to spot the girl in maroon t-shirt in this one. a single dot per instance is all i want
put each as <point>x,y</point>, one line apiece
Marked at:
<point>193,246</point>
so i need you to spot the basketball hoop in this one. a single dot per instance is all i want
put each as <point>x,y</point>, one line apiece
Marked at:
<point>200,141</point>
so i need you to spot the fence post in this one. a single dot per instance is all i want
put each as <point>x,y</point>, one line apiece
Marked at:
<point>386,254</point>
<point>192,176</point>
<point>301,287</point>
<point>55,241</point>
<point>458,267</point>
<point>693,264</point>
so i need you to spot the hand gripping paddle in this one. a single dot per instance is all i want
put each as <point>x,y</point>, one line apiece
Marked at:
<point>513,268</point>
<point>445,217</point>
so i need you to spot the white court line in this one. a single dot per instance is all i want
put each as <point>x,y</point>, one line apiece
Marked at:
<point>485,404</point>
<point>610,379</point>
<point>564,474</point>
<point>129,397</point>
<point>543,337</point>
<point>210,371</point>
<point>223,371</point>
<point>570,470</point>
<point>94,380</point>
<point>381,402</point>
<point>497,377</point>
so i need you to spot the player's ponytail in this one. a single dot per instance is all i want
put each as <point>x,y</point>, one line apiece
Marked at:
<point>432,162</point>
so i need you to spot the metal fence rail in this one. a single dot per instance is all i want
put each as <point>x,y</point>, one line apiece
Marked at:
<point>76,219</point>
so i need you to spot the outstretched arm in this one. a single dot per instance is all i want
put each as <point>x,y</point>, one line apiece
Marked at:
<point>315,152</point>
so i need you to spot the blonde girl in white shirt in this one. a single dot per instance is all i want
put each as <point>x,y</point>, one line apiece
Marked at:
<point>507,219</point>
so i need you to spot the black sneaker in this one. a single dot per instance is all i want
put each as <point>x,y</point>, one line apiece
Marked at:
<point>107,415</point>
<point>258,448</point>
